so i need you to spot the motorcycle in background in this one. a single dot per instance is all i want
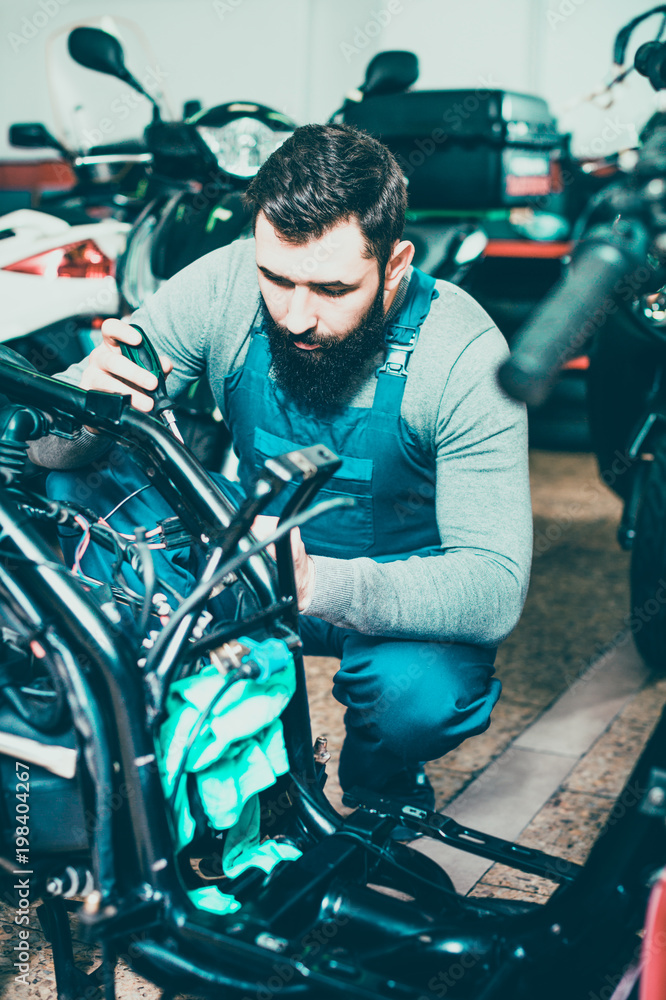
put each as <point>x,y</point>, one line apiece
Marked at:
<point>56,281</point>
<point>109,180</point>
<point>627,373</point>
<point>200,167</point>
<point>482,165</point>
<point>58,259</point>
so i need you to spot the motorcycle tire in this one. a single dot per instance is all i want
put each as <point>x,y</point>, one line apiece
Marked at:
<point>648,566</point>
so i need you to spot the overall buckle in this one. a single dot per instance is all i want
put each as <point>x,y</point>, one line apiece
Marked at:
<point>406,342</point>
<point>397,356</point>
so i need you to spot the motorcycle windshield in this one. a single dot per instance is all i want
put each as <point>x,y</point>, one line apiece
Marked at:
<point>92,109</point>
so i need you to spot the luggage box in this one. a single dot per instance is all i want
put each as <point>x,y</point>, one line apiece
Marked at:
<point>467,149</point>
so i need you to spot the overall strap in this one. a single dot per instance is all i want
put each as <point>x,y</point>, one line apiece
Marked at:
<point>401,339</point>
<point>258,353</point>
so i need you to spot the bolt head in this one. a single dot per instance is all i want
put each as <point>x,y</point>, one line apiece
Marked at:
<point>656,796</point>
<point>91,903</point>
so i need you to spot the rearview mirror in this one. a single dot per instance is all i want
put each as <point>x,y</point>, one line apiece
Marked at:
<point>98,50</point>
<point>33,135</point>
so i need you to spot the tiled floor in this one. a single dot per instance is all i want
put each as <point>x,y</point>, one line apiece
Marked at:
<point>559,749</point>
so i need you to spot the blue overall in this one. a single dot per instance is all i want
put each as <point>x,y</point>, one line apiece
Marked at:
<point>406,700</point>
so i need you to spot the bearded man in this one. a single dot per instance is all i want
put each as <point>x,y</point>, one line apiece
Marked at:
<point>319,330</point>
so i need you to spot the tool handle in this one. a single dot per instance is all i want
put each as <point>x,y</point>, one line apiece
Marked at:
<point>145,356</point>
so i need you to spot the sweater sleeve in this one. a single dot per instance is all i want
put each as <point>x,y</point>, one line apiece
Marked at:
<point>176,319</point>
<point>474,590</point>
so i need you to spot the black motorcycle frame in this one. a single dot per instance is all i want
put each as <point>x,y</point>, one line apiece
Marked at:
<point>316,927</point>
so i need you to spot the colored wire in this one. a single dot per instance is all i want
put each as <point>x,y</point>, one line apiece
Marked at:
<point>145,565</point>
<point>201,592</point>
<point>124,501</point>
<point>81,547</point>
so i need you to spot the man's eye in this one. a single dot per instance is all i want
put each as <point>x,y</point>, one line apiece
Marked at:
<point>334,293</point>
<point>282,282</point>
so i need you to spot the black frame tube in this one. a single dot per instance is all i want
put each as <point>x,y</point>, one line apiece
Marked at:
<point>591,907</point>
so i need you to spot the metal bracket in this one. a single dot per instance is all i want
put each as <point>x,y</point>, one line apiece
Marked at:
<point>465,838</point>
<point>653,802</point>
<point>641,434</point>
<point>105,405</point>
<point>655,407</point>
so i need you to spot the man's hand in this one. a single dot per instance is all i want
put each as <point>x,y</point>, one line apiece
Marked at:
<point>304,567</point>
<point>110,371</point>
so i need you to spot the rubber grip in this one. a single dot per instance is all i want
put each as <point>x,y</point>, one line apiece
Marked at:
<point>578,306</point>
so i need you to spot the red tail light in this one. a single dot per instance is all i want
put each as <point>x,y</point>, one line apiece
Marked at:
<point>77,260</point>
<point>581,364</point>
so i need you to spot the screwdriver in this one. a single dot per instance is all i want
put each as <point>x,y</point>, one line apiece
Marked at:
<point>145,356</point>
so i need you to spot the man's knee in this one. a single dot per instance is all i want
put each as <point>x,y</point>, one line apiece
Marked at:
<point>430,701</point>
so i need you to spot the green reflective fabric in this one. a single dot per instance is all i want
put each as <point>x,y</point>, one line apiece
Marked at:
<point>239,752</point>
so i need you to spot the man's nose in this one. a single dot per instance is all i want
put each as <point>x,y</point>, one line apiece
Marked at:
<point>301,316</point>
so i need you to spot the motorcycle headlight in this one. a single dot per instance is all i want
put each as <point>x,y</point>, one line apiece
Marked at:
<point>241,146</point>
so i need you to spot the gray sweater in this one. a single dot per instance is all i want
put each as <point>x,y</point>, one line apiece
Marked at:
<point>474,591</point>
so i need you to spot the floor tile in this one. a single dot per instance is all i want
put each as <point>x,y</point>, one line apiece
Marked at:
<point>582,713</point>
<point>502,877</point>
<point>607,766</point>
<point>508,720</point>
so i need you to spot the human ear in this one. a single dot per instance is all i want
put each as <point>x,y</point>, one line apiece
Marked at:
<point>399,261</point>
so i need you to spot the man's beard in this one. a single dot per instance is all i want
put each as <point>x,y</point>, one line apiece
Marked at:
<point>324,380</point>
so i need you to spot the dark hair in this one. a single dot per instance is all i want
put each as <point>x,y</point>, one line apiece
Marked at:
<point>326,174</point>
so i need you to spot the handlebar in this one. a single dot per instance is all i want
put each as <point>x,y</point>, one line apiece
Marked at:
<point>111,158</point>
<point>564,322</point>
<point>194,496</point>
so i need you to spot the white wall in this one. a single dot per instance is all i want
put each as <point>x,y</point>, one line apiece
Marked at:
<point>284,53</point>
<point>559,49</point>
<point>302,55</point>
